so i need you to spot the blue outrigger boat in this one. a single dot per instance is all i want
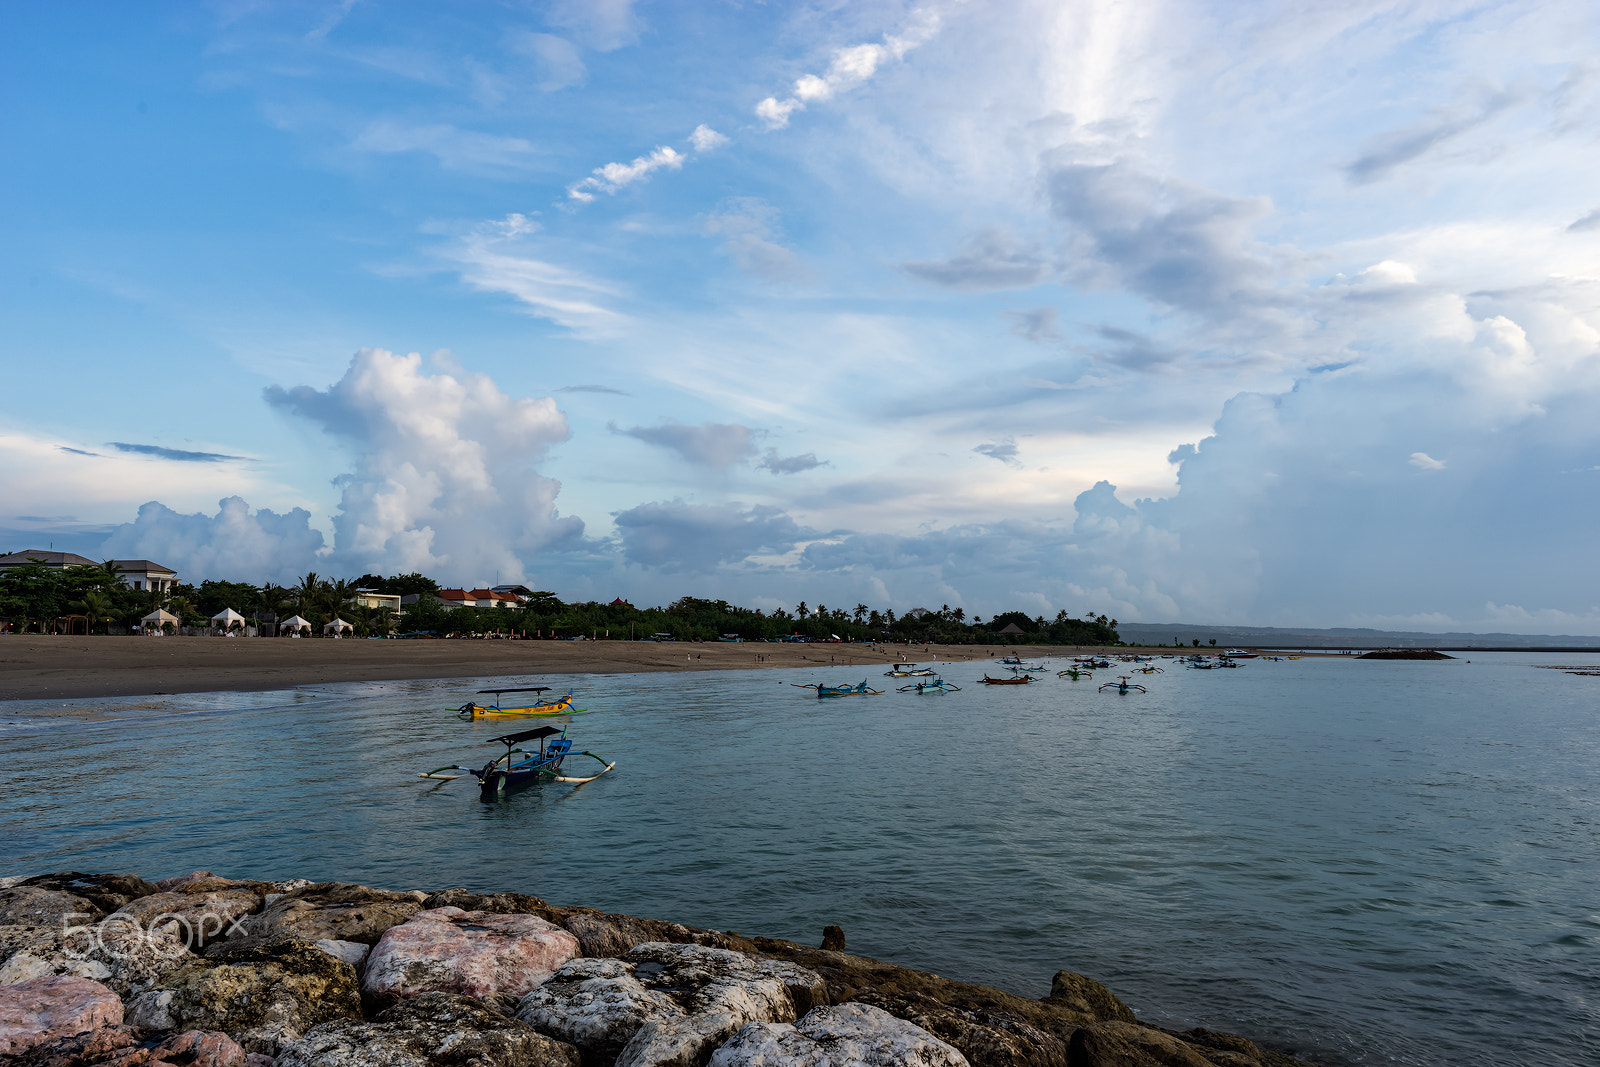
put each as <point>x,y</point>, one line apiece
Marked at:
<point>523,767</point>
<point>938,685</point>
<point>862,690</point>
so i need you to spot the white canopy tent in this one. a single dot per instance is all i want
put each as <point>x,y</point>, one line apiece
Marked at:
<point>226,618</point>
<point>158,618</point>
<point>294,624</point>
<point>337,626</point>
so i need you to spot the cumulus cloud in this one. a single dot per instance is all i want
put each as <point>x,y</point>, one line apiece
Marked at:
<point>678,536</point>
<point>712,444</point>
<point>990,259</point>
<point>444,480</point>
<point>705,139</point>
<point>748,227</point>
<point>235,543</point>
<point>790,464</point>
<point>178,454</point>
<point>851,67</point>
<point>613,176</point>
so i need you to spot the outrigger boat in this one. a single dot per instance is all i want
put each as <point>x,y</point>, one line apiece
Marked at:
<point>540,707</point>
<point>1075,673</point>
<point>1036,669</point>
<point>1150,670</point>
<point>938,685</point>
<point>907,670</point>
<point>1123,686</point>
<point>1012,660</point>
<point>1021,679</point>
<point>522,767</point>
<point>862,690</point>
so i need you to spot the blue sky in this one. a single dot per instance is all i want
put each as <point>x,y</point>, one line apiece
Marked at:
<point>1280,313</point>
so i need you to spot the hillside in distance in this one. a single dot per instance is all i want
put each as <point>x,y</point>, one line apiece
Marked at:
<point>1339,637</point>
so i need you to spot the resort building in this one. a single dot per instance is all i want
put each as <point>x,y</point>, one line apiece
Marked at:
<point>478,598</point>
<point>138,573</point>
<point>371,598</point>
<point>56,561</point>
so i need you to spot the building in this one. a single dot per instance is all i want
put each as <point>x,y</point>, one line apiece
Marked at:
<point>477,598</point>
<point>371,598</point>
<point>143,574</point>
<point>138,573</point>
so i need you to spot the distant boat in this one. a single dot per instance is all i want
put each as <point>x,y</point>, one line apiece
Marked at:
<point>539,708</point>
<point>862,690</point>
<point>1021,679</point>
<point>909,670</point>
<point>1240,653</point>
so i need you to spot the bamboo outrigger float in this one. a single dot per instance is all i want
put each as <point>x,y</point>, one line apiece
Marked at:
<point>539,708</point>
<point>508,772</point>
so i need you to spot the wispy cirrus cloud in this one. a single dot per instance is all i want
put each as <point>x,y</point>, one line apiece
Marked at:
<point>497,257</point>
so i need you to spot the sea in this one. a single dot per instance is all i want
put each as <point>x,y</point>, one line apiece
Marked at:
<point>1353,861</point>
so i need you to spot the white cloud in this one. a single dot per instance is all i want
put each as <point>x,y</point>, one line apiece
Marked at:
<point>851,67</point>
<point>234,544</point>
<point>613,176</point>
<point>1423,461</point>
<point>454,148</point>
<point>445,479</point>
<point>705,139</point>
<point>557,59</point>
<point>748,227</point>
<point>496,258</point>
<point>604,25</point>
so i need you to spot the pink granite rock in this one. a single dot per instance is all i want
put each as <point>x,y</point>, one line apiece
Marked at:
<point>477,953</point>
<point>42,1010</point>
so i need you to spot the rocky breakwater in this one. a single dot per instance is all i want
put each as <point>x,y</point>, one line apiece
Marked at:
<point>111,969</point>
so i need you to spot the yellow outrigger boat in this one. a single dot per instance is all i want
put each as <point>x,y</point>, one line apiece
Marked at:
<point>540,707</point>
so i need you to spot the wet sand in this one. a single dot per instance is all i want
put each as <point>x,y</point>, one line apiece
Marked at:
<point>40,667</point>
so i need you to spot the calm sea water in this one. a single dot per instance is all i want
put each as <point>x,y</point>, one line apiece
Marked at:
<point>1360,862</point>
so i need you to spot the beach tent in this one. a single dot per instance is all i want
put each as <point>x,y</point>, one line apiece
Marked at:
<point>337,626</point>
<point>295,624</point>
<point>157,618</point>
<point>225,619</point>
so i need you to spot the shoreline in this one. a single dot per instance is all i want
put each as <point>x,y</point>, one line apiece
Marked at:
<point>51,667</point>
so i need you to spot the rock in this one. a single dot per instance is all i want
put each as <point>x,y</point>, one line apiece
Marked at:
<point>443,1029</point>
<point>352,952</point>
<point>114,953</point>
<point>614,936</point>
<point>501,903</point>
<point>168,884</point>
<point>48,899</point>
<point>833,938</point>
<point>195,1048</point>
<point>854,977</point>
<point>42,1010</point>
<point>334,911</point>
<point>985,1038</point>
<point>477,953</point>
<point>261,995</point>
<point>194,914</point>
<point>90,1047</point>
<point>846,1035</point>
<point>1084,994</point>
<point>1121,1044</point>
<point>666,1003</point>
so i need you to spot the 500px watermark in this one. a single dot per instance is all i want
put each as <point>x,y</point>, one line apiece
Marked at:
<point>168,935</point>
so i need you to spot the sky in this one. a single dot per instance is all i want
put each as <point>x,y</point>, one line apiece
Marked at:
<point>1279,313</point>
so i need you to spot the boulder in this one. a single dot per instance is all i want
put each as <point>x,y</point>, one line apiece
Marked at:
<point>501,903</point>
<point>985,1038</point>
<point>352,952</point>
<point>476,953</point>
<point>855,977</point>
<point>334,911</point>
<point>1121,1044</point>
<point>48,899</point>
<point>833,938</point>
<point>41,1010</point>
<point>261,995</point>
<point>115,953</point>
<point>429,1030</point>
<point>1081,993</point>
<point>193,913</point>
<point>194,1048</point>
<point>614,936</point>
<point>90,1047</point>
<point>666,1003</point>
<point>845,1035</point>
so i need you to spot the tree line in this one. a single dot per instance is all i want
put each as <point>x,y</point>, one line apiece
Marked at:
<point>40,597</point>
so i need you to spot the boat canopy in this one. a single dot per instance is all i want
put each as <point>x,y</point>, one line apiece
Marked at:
<point>524,689</point>
<point>526,735</point>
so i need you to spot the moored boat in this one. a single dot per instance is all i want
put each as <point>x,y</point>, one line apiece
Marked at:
<point>539,708</point>
<point>520,767</point>
<point>938,685</point>
<point>862,690</point>
<point>1021,679</point>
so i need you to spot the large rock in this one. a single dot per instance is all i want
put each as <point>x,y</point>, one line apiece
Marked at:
<point>192,913</point>
<point>48,899</point>
<point>1083,994</point>
<point>42,1010</point>
<point>429,1030</point>
<point>90,1047</point>
<point>261,995</point>
<point>126,958</point>
<point>334,911</point>
<point>1120,1044</point>
<point>846,1035</point>
<point>195,1048</point>
<point>666,1003</point>
<point>477,953</point>
<point>985,1038</point>
<point>604,934</point>
<point>500,903</point>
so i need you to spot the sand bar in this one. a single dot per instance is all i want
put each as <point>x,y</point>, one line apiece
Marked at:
<point>43,667</point>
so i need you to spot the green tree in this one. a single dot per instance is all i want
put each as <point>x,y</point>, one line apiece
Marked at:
<point>97,606</point>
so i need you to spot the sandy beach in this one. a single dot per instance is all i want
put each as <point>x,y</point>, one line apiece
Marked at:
<point>43,667</point>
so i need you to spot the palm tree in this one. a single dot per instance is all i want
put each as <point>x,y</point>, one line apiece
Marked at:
<point>114,579</point>
<point>309,593</point>
<point>96,606</point>
<point>861,612</point>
